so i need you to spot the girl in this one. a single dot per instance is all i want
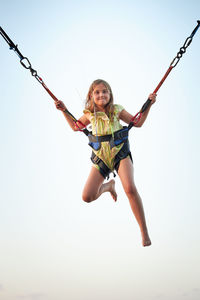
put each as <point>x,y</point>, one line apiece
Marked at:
<point>104,117</point>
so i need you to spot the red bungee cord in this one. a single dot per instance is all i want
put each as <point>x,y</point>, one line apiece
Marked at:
<point>173,64</point>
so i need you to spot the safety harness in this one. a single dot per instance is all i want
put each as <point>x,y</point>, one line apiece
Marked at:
<point>121,135</point>
<point>114,140</point>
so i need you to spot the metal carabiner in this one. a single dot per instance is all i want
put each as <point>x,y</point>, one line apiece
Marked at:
<point>187,42</point>
<point>25,63</point>
<point>174,62</point>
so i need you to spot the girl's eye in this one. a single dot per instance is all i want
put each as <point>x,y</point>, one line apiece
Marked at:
<point>98,92</point>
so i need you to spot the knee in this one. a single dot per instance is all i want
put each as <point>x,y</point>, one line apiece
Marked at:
<point>130,190</point>
<point>87,198</point>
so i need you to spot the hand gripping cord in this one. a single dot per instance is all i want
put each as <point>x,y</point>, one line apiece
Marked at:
<point>27,65</point>
<point>173,64</point>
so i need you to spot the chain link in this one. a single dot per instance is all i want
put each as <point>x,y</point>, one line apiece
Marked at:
<point>39,79</point>
<point>183,48</point>
<point>27,65</point>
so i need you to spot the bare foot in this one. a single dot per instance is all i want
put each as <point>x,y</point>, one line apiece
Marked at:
<point>112,190</point>
<point>146,243</point>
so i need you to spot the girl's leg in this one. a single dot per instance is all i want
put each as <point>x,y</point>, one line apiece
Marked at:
<point>94,186</point>
<point>126,176</point>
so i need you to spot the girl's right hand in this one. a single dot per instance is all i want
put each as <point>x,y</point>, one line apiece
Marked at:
<point>60,105</point>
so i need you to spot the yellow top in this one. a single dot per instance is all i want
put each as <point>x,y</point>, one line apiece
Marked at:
<point>105,126</point>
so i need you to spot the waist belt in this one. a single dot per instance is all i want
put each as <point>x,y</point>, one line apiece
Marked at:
<point>118,138</point>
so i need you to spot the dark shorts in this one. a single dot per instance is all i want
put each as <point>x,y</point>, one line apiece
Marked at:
<point>103,169</point>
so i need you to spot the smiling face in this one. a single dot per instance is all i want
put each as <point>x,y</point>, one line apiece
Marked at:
<point>101,96</point>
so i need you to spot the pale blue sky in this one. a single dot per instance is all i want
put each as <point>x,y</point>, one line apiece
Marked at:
<point>53,245</point>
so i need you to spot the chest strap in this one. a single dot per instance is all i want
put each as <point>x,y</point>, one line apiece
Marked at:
<point>119,137</point>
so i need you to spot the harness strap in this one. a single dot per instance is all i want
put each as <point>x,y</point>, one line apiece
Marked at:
<point>119,137</point>
<point>104,170</point>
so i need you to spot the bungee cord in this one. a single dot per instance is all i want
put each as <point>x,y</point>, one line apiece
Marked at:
<point>172,65</point>
<point>27,65</point>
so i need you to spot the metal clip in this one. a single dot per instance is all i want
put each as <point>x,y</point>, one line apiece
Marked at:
<point>25,63</point>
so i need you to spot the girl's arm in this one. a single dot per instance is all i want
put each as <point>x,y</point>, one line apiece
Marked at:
<point>61,106</point>
<point>126,117</point>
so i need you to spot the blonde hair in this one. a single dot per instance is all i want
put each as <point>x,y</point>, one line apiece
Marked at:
<point>89,103</point>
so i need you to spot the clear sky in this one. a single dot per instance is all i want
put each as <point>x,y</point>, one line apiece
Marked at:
<point>53,245</point>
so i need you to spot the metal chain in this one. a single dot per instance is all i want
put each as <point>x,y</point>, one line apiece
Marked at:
<point>23,60</point>
<point>184,47</point>
<point>173,64</point>
<point>27,65</point>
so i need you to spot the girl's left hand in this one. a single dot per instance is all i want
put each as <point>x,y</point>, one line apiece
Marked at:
<point>152,97</point>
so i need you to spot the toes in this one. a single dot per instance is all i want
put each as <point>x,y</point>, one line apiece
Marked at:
<point>147,243</point>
